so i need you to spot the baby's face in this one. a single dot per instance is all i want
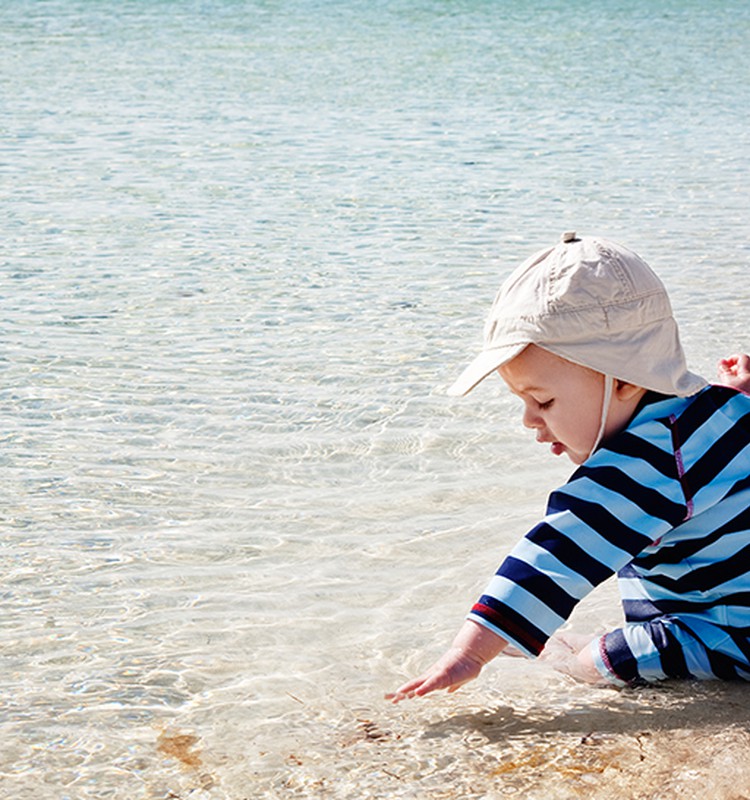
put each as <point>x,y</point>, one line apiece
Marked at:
<point>562,400</point>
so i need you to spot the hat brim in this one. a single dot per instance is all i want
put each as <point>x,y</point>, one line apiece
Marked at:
<point>482,366</point>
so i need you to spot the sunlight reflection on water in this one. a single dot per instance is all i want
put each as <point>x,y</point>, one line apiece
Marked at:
<point>246,250</point>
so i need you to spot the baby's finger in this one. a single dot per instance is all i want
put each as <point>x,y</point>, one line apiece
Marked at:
<point>406,691</point>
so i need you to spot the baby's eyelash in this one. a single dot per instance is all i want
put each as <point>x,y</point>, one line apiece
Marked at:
<point>546,404</point>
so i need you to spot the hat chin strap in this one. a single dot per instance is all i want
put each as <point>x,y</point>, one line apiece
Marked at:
<point>609,384</point>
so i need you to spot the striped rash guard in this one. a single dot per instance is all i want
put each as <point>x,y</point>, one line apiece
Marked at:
<point>665,504</point>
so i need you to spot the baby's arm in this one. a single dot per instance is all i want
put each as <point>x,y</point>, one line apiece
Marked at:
<point>473,647</point>
<point>734,371</point>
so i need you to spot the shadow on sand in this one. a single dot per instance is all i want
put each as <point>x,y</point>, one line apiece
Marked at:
<point>668,707</point>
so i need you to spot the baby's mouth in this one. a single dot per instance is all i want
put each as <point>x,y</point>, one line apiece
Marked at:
<point>556,448</point>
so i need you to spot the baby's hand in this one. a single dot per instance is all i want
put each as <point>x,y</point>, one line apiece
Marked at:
<point>449,672</point>
<point>473,647</point>
<point>734,371</point>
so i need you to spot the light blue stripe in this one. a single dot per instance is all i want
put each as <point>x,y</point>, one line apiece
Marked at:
<point>642,472</point>
<point>620,506</point>
<point>525,603</point>
<point>651,431</point>
<point>632,589</point>
<point>713,492</point>
<point>531,553</point>
<point>719,423</point>
<point>587,538</point>
<point>709,634</point>
<point>645,652</point>
<point>712,518</point>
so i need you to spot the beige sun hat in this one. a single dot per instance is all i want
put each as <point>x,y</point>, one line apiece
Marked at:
<point>592,302</point>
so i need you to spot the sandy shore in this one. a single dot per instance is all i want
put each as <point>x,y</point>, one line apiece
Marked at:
<point>675,741</point>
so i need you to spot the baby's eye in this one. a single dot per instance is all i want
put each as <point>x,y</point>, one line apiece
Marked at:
<point>546,404</point>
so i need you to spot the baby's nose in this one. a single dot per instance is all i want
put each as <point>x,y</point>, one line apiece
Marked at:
<point>531,419</point>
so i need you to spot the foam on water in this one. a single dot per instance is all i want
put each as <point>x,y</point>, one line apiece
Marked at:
<point>245,248</point>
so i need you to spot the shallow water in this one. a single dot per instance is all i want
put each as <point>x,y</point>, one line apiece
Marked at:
<point>245,248</point>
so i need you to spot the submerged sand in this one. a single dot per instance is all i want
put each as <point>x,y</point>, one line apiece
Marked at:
<point>687,741</point>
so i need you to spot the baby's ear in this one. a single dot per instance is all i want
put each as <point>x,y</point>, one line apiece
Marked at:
<point>627,391</point>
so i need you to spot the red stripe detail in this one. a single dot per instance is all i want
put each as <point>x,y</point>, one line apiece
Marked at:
<point>502,622</point>
<point>681,468</point>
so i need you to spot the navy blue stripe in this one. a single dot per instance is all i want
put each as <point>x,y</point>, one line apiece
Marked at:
<point>723,666</point>
<point>628,571</point>
<point>651,501</point>
<point>702,407</point>
<point>740,486</point>
<point>715,459</point>
<point>741,638</point>
<point>710,577</point>
<point>621,658</point>
<point>680,551</point>
<point>687,491</point>
<point>670,651</point>
<point>574,557</point>
<point>641,610</point>
<point>675,607</point>
<point>603,521</point>
<point>629,445</point>
<point>538,584</point>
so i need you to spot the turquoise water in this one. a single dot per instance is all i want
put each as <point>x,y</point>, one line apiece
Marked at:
<point>245,246</point>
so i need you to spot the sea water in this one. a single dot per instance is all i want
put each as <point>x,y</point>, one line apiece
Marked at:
<point>245,247</point>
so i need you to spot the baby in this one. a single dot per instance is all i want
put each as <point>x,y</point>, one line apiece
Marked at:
<point>583,334</point>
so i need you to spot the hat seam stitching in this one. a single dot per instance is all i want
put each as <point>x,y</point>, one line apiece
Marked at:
<point>614,304</point>
<point>656,292</point>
